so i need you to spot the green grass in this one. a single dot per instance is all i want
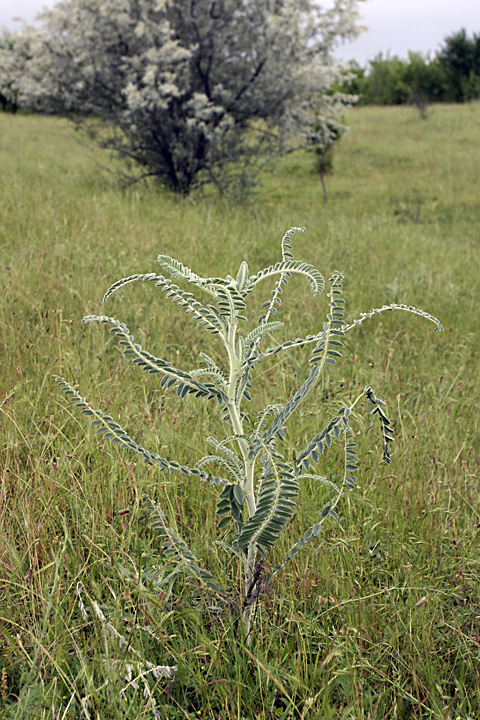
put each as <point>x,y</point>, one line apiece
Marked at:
<point>380,619</point>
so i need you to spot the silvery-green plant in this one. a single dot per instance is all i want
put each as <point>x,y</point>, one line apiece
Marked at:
<point>133,671</point>
<point>258,488</point>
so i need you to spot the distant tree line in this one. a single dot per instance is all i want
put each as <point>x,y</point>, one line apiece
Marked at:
<point>452,75</point>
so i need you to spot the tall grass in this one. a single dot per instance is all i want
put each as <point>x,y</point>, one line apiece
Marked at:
<point>381,618</point>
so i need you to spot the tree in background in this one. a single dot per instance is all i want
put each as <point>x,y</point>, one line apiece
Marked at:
<point>460,58</point>
<point>8,91</point>
<point>452,75</point>
<point>393,81</point>
<point>388,80</point>
<point>190,91</point>
<point>425,79</point>
<point>323,137</point>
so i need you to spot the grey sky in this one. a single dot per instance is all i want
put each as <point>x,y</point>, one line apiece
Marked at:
<point>394,26</point>
<point>397,26</point>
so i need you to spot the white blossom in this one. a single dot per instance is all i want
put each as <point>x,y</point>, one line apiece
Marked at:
<point>195,91</point>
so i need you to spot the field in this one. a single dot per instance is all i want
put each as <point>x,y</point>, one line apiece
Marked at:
<point>379,618</point>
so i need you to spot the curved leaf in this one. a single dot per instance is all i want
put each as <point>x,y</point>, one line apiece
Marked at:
<point>291,267</point>
<point>259,332</point>
<point>176,549</point>
<point>174,268</point>
<point>173,377</point>
<point>227,459</point>
<point>110,430</point>
<point>393,306</point>
<point>287,242</point>
<point>228,454</point>
<point>151,277</point>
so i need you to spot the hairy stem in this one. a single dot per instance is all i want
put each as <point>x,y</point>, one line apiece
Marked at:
<point>249,465</point>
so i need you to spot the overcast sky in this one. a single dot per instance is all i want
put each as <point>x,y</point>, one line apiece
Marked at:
<point>394,26</point>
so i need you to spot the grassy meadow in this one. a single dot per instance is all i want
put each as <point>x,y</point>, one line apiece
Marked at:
<point>379,618</point>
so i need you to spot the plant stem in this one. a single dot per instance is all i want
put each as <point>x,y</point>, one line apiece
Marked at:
<point>249,465</point>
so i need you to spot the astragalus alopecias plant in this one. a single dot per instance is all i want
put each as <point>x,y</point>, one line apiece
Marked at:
<point>258,487</point>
